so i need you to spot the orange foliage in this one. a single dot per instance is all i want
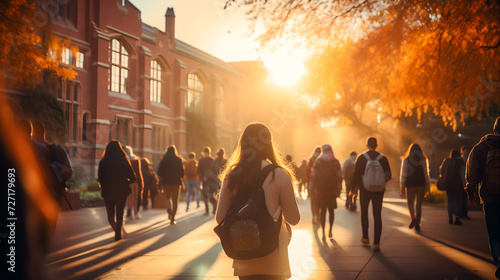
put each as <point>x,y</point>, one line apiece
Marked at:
<point>397,57</point>
<point>25,45</point>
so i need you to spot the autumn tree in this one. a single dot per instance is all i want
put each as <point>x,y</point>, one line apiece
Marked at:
<point>409,56</point>
<point>30,60</point>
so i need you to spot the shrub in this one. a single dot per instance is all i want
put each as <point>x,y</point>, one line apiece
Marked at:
<point>91,199</point>
<point>93,186</point>
<point>436,197</point>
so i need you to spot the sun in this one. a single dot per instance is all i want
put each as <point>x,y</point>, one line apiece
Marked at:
<point>286,65</point>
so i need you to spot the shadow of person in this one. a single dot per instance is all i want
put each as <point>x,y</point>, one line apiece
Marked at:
<point>200,266</point>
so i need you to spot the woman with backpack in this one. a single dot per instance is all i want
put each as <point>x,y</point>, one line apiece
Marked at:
<point>453,171</point>
<point>256,152</point>
<point>326,180</point>
<point>115,175</point>
<point>414,182</point>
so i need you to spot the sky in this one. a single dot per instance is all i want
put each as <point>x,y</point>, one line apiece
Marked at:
<point>205,24</point>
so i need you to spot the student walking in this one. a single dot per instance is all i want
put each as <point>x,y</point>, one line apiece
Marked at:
<point>483,179</point>
<point>453,171</point>
<point>217,165</point>
<point>115,175</point>
<point>134,199</point>
<point>464,208</point>
<point>171,172</point>
<point>301,176</point>
<point>191,180</point>
<point>371,173</point>
<point>310,190</point>
<point>205,175</point>
<point>150,183</point>
<point>347,172</point>
<point>254,153</point>
<point>415,182</point>
<point>326,179</point>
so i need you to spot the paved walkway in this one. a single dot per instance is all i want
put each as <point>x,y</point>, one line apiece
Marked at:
<point>84,247</point>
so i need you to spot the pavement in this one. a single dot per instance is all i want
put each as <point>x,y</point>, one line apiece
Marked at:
<point>83,247</point>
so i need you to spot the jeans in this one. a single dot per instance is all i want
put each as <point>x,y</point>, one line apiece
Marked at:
<point>209,192</point>
<point>115,206</point>
<point>172,193</point>
<point>350,198</point>
<point>492,217</point>
<point>192,189</point>
<point>454,202</point>
<point>411,194</point>
<point>364,200</point>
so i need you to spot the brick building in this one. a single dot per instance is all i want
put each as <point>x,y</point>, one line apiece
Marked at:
<point>137,84</point>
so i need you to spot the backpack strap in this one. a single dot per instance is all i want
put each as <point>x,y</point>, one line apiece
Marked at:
<point>379,157</point>
<point>263,174</point>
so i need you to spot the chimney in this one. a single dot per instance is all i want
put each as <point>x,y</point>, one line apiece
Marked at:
<point>170,24</point>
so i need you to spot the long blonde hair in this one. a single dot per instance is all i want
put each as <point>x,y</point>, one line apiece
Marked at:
<point>244,164</point>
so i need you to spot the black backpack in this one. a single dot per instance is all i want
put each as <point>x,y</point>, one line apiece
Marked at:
<point>248,231</point>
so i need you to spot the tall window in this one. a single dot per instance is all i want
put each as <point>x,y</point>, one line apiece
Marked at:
<point>66,10</point>
<point>79,59</point>
<point>194,94</point>
<point>84,128</point>
<point>67,56</point>
<point>119,67</point>
<point>155,84</point>
<point>68,95</point>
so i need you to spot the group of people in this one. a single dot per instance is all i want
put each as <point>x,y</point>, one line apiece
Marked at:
<point>129,182</point>
<point>126,182</point>
<point>366,174</point>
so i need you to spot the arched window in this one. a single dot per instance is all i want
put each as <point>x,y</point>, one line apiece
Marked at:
<point>119,67</point>
<point>194,94</point>
<point>155,84</point>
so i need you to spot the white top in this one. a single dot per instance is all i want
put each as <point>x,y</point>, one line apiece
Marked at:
<point>279,194</point>
<point>405,171</point>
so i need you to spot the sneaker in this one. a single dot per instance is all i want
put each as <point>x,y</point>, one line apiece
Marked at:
<point>376,247</point>
<point>187,209</point>
<point>413,222</point>
<point>458,222</point>
<point>364,240</point>
<point>173,222</point>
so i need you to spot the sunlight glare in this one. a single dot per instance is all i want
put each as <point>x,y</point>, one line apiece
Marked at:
<point>286,65</point>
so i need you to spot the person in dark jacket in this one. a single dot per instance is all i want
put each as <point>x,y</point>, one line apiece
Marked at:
<point>171,172</point>
<point>204,175</point>
<point>115,176</point>
<point>150,183</point>
<point>415,182</point>
<point>453,168</point>
<point>365,195</point>
<point>326,180</point>
<point>480,180</point>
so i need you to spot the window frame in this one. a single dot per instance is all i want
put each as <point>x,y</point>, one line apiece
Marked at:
<point>194,94</point>
<point>117,62</point>
<point>156,71</point>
